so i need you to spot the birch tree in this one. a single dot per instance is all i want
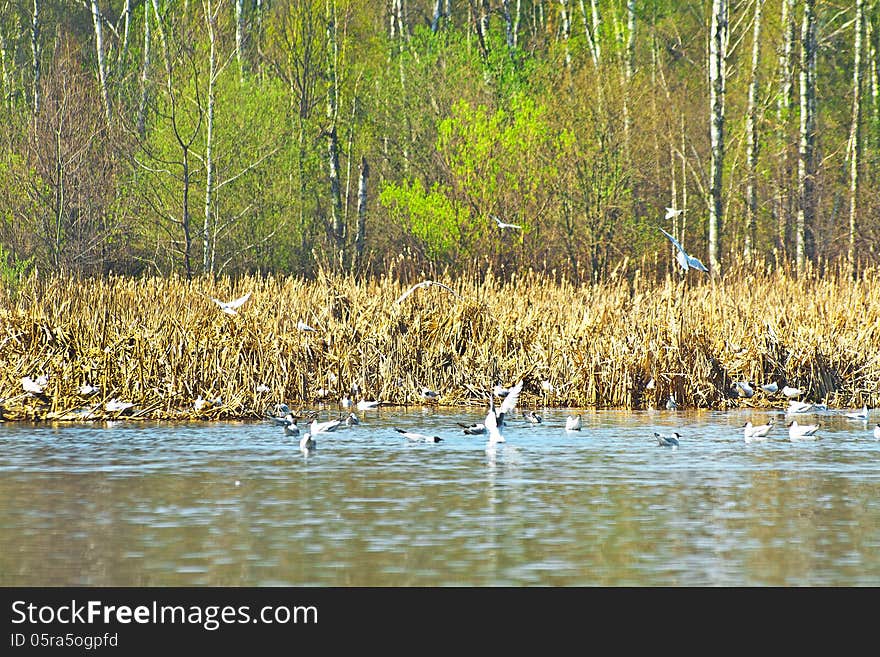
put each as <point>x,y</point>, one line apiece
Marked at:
<point>855,134</point>
<point>784,114</point>
<point>336,217</point>
<point>98,25</point>
<point>211,24</point>
<point>804,246</point>
<point>752,137</point>
<point>717,81</point>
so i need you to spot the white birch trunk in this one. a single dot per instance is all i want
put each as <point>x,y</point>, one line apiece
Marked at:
<point>360,236</point>
<point>207,251</point>
<point>806,165</point>
<point>566,30</point>
<point>126,18</point>
<point>336,218</point>
<point>855,135</point>
<point>145,76</point>
<point>629,70</point>
<point>98,23</point>
<point>239,36</point>
<point>36,54</point>
<point>753,143</point>
<point>717,74</point>
<point>784,111</point>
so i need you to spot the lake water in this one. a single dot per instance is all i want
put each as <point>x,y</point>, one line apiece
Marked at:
<point>238,504</point>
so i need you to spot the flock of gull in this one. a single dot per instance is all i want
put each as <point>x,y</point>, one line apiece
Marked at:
<point>493,425</point>
<point>494,422</point>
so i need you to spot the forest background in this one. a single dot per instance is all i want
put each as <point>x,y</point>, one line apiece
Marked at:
<point>230,137</point>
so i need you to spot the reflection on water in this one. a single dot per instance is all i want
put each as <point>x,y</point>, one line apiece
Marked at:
<point>237,504</point>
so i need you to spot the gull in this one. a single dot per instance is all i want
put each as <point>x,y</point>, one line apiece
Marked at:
<point>231,307</point>
<point>307,443</point>
<point>309,439</point>
<point>115,405</point>
<point>532,417</point>
<point>670,403</point>
<point>324,427</point>
<point>805,431</point>
<point>546,386</point>
<point>573,423</point>
<point>686,261</point>
<point>795,407</point>
<point>289,423</point>
<point>418,437</point>
<point>503,224</point>
<point>426,284</point>
<point>877,432</point>
<point>263,388</point>
<point>759,432</point>
<point>430,395</point>
<point>667,440</point>
<point>494,421</point>
<point>743,389</point>
<point>790,392</point>
<point>770,388</point>
<point>351,420</point>
<point>365,405</point>
<point>302,326</point>
<point>671,213</point>
<point>87,390</point>
<point>475,429</point>
<point>34,387</point>
<point>858,415</point>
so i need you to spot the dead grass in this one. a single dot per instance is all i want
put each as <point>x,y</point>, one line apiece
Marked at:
<point>161,342</point>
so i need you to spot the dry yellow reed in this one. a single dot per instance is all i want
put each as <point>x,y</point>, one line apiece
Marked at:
<point>161,342</point>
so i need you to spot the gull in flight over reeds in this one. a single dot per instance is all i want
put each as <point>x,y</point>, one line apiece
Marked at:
<point>418,437</point>
<point>802,431</point>
<point>231,307</point>
<point>760,432</point>
<point>672,213</point>
<point>684,259</point>
<point>573,423</point>
<point>302,326</point>
<point>861,415</point>
<point>34,386</point>
<point>426,284</point>
<point>503,224</point>
<point>667,440</point>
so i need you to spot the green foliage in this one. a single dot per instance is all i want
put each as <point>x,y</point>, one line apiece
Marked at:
<point>503,161</point>
<point>430,215</point>
<point>13,270</point>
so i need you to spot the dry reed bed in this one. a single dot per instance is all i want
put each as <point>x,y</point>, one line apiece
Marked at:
<point>161,342</point>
